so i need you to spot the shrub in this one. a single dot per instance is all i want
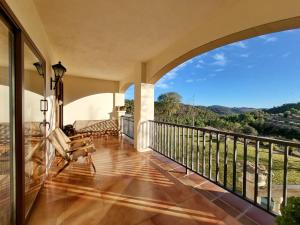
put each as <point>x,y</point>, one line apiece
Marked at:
<point>290,213</point>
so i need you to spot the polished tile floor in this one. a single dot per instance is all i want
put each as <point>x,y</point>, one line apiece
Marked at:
<point>131,188</point>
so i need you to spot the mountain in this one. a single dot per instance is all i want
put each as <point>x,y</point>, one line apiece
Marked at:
<point>283,108</point>
<point>223,110</point>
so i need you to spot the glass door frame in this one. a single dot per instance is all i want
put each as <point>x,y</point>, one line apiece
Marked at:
<point>20,36</point>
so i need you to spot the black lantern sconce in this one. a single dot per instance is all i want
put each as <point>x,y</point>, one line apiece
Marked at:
<point>39,68</point>
<point>59,71</point>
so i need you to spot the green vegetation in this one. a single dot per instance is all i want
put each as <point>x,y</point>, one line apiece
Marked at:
<point>193,147</point>
<point>290,213</point>
<point>186,146</point>
<point>279,122</point>
<point>284,108</point>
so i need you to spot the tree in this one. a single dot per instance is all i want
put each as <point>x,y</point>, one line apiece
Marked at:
<point>287,114</point>
<point>249,130</point>
<point>168,104</point>
<point>294,111</point>
<point>129,105</point>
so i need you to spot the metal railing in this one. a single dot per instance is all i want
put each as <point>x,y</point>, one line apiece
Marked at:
<point>127,126</point>
<point>252,167</point>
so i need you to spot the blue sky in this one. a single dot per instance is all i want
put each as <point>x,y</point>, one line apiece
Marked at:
<point>259,72</point>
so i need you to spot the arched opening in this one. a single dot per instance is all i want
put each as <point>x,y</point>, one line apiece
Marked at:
<point>242,96</point>
<point>172,59</point>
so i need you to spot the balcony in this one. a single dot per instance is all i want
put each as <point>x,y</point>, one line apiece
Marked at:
<point>133,187</point>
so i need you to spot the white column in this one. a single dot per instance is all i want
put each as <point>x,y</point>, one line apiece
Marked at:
<point>118,101</point>
<point>143,111</point>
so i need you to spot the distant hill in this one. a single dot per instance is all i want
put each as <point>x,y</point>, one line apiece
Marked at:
<point>223,110</point>
<point>283,108</point>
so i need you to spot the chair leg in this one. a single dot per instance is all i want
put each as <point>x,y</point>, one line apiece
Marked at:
<point>91,161</point>
<point>61,169</point>
<point>61,159</point>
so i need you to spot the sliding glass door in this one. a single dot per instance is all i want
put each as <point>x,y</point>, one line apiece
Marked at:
<point>34,130</point>
<point>6,125</point>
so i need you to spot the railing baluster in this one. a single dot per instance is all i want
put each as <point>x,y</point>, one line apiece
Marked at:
<point>225,160</point>
<point>270,175</point>
<point>256,171</point>
<point>192,150</point>
<point>234,164</point>
<point>218,158</point>
<point>153,135</point>
<point>178,145</point>
<point>182,146</point>
<point>171,141</point>
<point>187,147</point>
<point>167,140</point>
<point>150,134</point>
<point>161,138</point>
<point>203,155</point>
<point>245,168</point>
<point>174,141</point>
<point>285,174</point>
<point>210,156</point>
<point>156,136</point>
<point>198,152</point>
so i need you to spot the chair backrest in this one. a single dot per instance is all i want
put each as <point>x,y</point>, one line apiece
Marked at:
<point>53,138</point>
<point>62,139</point>
<point>63,135</point>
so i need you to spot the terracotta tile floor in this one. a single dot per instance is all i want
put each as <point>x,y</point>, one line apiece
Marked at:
<point>131,188</point>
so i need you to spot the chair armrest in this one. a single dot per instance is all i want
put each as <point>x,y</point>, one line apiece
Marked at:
<point>78,136</point>
<point>81,148</point>
<point>81,140</point>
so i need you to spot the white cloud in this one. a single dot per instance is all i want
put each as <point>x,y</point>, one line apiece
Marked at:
<point>165,81</point>
<point>220,59</point>
<point>289,31</point>
<point>200,63</point>
<point>245,55</point>
<point>201,79</point>
<point>268,38</point>
<point>286,54</point>
<point>219,70</point>
<point>189,80</point>
<point>161,84</point>
<point>240,44</point>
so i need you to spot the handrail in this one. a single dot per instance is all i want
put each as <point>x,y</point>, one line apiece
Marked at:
<point>229,133</point>
<point>208,151</point>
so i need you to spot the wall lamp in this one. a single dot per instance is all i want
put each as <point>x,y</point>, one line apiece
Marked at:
<point>59,71</point>
<point>43,102</point>
<point>39,68</point>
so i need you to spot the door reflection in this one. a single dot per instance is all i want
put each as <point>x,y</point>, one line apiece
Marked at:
<point>34,140</point>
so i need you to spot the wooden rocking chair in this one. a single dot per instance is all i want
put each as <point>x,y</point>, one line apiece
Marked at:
<point>70,150</point>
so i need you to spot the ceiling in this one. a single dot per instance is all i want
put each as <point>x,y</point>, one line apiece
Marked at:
<point>109,39</point>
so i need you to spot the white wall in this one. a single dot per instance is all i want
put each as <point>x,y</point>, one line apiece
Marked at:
<point>32,111</point>
<point>4,104</point>
<point>94,107</point>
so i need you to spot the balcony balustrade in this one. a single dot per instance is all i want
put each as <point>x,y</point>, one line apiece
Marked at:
<point>258,169</point>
